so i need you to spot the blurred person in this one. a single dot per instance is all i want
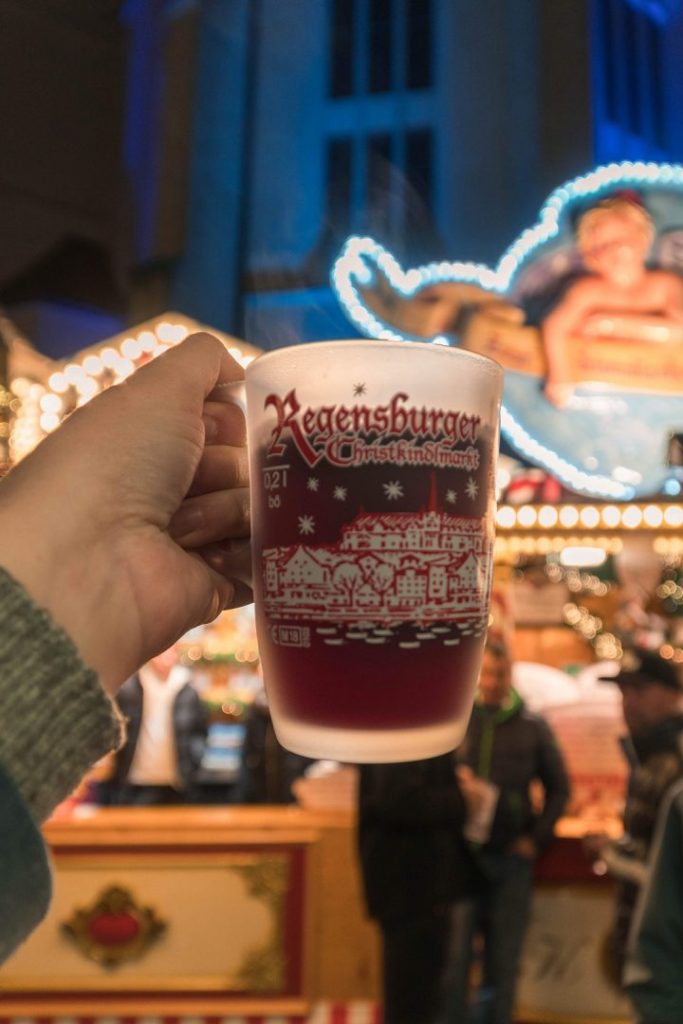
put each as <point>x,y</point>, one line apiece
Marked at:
<point>506,749</point>
<point>267,769</point>
<point>652,978</point>
<point>166,728</point>
<point>415,865</point>
<point>652,700</point>
<point>124,528</point>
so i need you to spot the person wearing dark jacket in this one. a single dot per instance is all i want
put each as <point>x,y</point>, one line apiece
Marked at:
<point>652,700</point>
<point>505,750</point>
<point>652,976</point>
<point>267,770</point>
<point>167,724</point>
<point>415,865</point>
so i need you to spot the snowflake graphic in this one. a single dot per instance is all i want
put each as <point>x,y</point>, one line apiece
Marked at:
<point>472,488</point>
<point>313,483</point>
<point>359,389</point>
<point>340,493</point>
<point>306,524</point>
<point>393,490</point>
<point>451,497</point>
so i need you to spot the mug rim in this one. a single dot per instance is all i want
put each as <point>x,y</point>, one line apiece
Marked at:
<point>332,343</point>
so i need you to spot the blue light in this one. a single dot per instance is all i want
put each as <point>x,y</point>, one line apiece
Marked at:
<point>588,483</point>
<point>351,267</point>
<point>660,11</point>
<point>672,487</point>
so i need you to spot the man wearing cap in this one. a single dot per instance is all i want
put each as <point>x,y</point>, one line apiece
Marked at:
<point>652,698</point>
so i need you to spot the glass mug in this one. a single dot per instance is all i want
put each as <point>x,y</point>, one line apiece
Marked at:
<point>372,488</point>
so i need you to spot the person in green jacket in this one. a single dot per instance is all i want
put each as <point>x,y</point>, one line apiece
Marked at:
<point>122,530</point>
<point>505,750</point>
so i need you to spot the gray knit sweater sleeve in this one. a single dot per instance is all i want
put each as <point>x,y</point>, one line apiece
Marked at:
<point>55,718</point>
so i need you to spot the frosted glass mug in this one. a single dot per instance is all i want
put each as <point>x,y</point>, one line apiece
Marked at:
<point>372,487</point>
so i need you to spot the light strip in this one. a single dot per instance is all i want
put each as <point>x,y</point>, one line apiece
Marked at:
<point>553,519</point>
<point>44,405</point>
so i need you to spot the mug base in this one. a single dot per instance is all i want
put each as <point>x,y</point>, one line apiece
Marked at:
<point>369,746</point>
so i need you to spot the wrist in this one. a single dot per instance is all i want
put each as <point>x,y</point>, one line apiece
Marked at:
<point>64,577</point>
<point>56,719</point>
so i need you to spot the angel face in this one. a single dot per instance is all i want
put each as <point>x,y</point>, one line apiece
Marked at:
<point>614,242</point>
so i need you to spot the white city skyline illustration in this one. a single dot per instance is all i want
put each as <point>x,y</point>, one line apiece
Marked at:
<point>391,567</point>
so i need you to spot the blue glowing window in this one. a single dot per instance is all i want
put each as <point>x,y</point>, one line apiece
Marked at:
<point>630,61</point>
<point>342,50</point>
<point>419,44</point>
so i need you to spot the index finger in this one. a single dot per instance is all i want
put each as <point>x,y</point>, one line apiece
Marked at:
<point>190,371</point>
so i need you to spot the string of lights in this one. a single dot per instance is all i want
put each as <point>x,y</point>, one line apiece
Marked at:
<point>39,407</point>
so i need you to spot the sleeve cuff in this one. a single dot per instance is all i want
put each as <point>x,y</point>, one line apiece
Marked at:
<point>57,720</point>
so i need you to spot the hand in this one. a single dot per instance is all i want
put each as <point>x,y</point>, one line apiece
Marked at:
<point>130,523</point>
<point>595,843</point>
<point>558,393</point>
<point>472,789</point>
<point>525,846</point>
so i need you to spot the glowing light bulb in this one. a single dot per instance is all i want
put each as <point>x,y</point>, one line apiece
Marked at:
<point>93,365</point>
<point>569,516</point>
<point>131,348</point>
<point>611,516</point>
<point>526,516</point>
<point>653,516</point>
<point>547,517</point>
<point>590,517</point>
<point>58,383</point>
<point>632,517</point>
<point>147,341</point>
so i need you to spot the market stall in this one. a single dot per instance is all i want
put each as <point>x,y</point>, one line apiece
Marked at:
<point>197,912</point>
<point>41,391</point>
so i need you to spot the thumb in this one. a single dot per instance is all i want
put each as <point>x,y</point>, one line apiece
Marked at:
<point>206,594</point>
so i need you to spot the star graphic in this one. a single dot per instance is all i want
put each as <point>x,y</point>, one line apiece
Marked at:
<point>359,389</point>
<point>313,483</point>
<point>393,490</point>
<point>472,488</point>
<point>451,497</point>
<point>340,493</point>
<point>306,524</point>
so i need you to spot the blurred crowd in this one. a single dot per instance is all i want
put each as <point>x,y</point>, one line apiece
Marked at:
<point>447,846</point>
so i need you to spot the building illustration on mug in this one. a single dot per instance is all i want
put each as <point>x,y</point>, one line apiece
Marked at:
<point>399,567</point>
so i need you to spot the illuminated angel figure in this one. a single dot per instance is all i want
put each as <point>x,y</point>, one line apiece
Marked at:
<point>619,298</point>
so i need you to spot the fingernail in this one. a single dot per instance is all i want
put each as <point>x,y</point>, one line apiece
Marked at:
<point>186,521</point>
<point>216,560</point>
<point>210,428</point>
<point>228,595</point>
<point>236,547</point>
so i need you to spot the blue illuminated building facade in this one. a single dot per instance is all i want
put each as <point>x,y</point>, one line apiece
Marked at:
<point>256,135</point>
<point>434,126</point>
<point>437,127</point>
<point>636,77</point>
